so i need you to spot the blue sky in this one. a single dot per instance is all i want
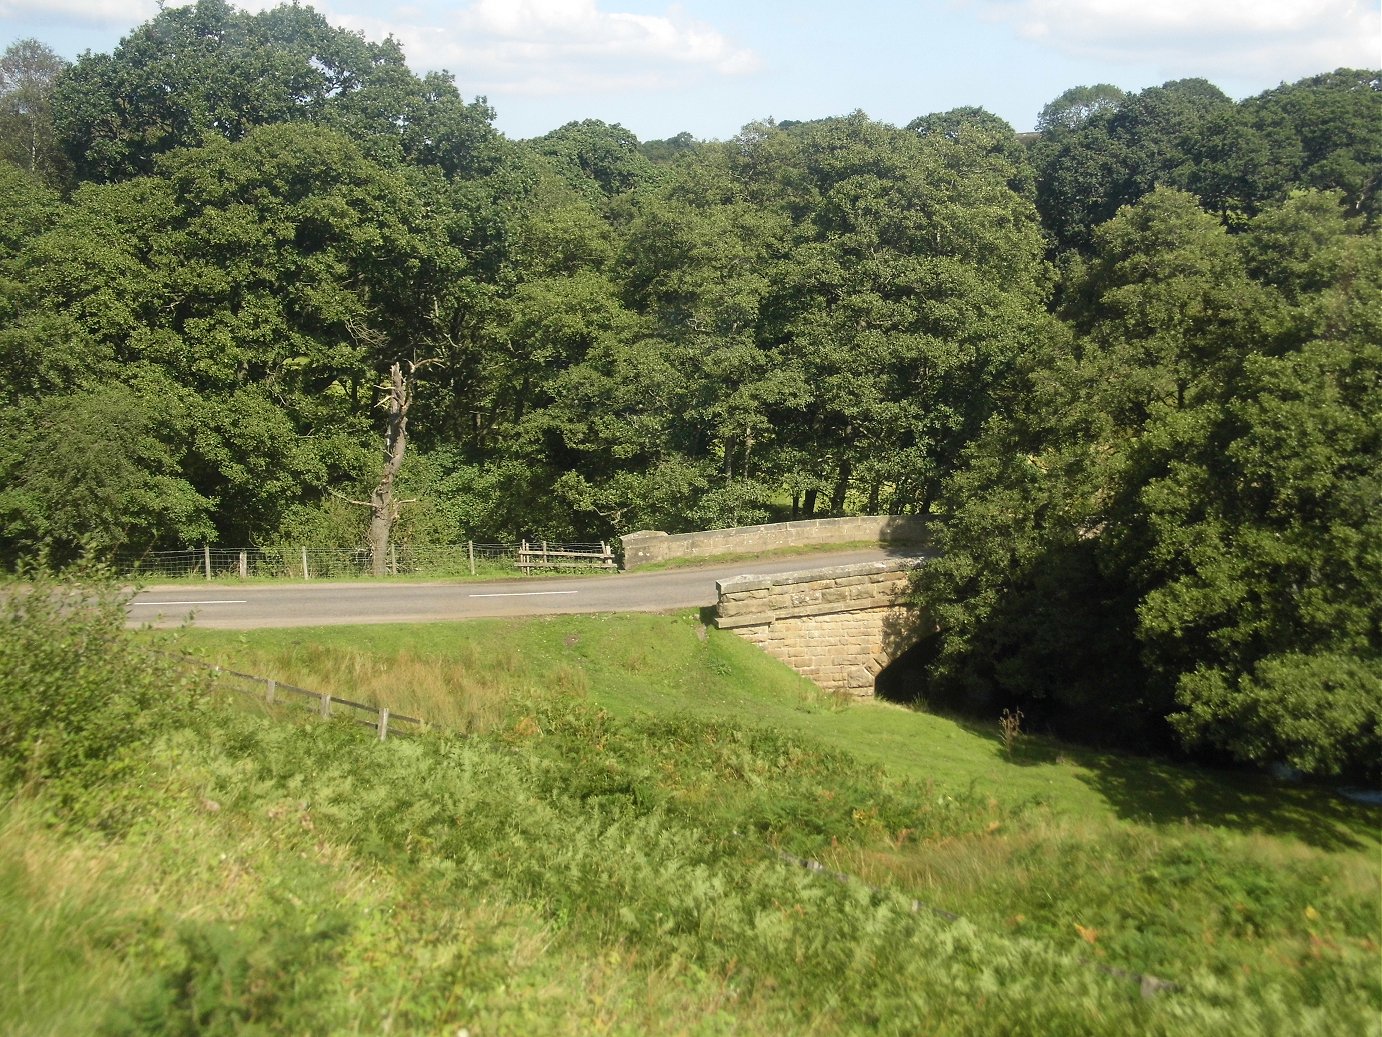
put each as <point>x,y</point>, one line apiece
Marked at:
<point>710,66</point>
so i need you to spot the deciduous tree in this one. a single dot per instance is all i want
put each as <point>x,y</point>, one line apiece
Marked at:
<point>29,74</point>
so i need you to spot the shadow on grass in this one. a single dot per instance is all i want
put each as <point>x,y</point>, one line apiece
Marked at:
<point>1153,790</point>
<point>1165,792</point>
<point>1158,791</point>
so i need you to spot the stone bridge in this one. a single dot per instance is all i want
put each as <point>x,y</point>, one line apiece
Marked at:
<point>649,546</point>
<point>839,626</point>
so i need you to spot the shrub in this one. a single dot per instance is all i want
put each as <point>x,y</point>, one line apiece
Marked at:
<point>78,696</point>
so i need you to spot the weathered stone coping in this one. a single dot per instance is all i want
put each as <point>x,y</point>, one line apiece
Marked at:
<point>759,600</point>
<point>649,546</point>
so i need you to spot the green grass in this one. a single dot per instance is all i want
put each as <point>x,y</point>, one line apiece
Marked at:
<point>631,663</point>
<point>597,855</point>
<point>218,920</point>
<point>1160,867</point>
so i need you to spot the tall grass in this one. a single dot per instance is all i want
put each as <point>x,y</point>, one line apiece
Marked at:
<point>636,664</point>
<point>465,676</point>
<point>1149,901</point>
<point>564,861</point>
<point>569,871</point>
<point>251,912</point>
<point>469,691</point>
<point>652,836</point>
<point>57,920</point>
<point>1061,846</point>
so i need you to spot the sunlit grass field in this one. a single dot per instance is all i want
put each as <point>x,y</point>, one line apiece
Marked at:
<point>601,834</point>
<point>466,676</point>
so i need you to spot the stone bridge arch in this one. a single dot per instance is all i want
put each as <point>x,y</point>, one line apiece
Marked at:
<point>839,626</point>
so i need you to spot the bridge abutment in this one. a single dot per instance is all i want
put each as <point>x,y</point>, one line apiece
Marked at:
<point>839,626</point>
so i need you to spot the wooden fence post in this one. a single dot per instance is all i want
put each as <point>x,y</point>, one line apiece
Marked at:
<point>383,724</point>
<point>305,574</point>
<point>206,559</point>
<point>244,565</point>
<point>393,558</point>
<point>470,546</point>
<point>270,691</point>
<point>326,704</point>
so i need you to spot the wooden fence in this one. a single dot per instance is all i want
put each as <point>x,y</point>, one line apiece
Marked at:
<point>275,692</point>
<point>532,557</point>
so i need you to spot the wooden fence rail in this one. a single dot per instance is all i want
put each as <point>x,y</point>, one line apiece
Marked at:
<point>532,557</point>
<point>275,692</point>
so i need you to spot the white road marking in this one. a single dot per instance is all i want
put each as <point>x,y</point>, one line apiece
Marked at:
<point>239,601</point>
<point>522,594</point>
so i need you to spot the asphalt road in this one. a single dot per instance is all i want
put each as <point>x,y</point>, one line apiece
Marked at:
<point>320,604</point>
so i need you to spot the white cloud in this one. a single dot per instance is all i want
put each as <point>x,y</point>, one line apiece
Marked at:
<point>542,47</point>
<point>1250,38</point>
<point>122,14</point>
<point>519,47</point>
<point>100,12</point>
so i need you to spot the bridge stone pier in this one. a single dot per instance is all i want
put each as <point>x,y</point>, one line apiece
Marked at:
<point>838,626</point>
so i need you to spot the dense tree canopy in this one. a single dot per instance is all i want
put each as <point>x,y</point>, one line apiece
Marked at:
<point>1181,523</point>
<point>1129,363</point>
<point>1101,150</point>
<point>209,71</point>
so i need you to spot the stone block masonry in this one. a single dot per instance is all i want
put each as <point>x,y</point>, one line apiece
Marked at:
<point>837,626</point>
<point>649,546</point>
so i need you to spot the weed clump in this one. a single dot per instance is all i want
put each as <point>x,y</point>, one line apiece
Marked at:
<point>1010,728</point>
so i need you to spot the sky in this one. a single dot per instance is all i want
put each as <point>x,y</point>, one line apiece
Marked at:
<point>708,67</point>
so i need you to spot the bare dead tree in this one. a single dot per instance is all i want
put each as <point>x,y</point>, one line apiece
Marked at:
<point>384,507</point>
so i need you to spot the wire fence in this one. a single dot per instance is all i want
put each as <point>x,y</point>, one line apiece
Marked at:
<point>274,692</point>
<point>305,562</point>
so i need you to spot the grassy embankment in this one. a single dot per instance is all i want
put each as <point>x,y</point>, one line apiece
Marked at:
<point>597,856</point>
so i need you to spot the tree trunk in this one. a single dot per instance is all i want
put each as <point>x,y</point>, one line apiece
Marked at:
<point>837,499</point>
<point>383,508</point>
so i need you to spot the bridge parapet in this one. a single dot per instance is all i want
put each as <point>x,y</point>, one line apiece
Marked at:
<point>650,545</point>
<point>838,626</point>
